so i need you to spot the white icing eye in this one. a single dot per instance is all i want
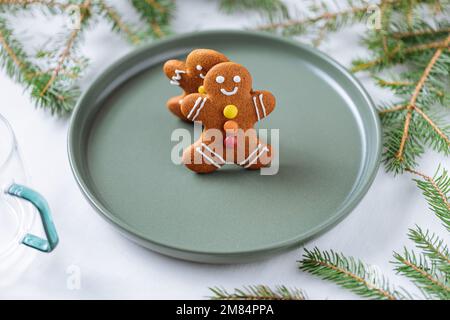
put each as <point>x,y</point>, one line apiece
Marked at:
<point>199,67</point>
<point>220,79</point>
<point>237,79</point>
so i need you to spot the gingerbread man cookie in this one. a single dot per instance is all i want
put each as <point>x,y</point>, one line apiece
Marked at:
<point>228,111</point>
<point>189,75</point>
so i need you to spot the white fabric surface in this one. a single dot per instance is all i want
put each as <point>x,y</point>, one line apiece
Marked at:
<point>113,267</point>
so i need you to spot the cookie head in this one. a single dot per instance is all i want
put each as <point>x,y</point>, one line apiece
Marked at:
<point>228,79</point>
<point>200,61</point>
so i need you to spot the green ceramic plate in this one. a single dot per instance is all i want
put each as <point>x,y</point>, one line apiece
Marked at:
<point>120,146</point>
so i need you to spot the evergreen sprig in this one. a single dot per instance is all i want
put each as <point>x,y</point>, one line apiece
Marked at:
<point>428,269</point>
<point>60,94</point>
<point>321,20</point>
<point>349,273</point>
<point>433,247</point>
<point>55,86</point>
<point>258,292</point>
<point>415,34</point>
<point>118,23</point>
<point>157,14</point>
<point>45,6</point>
<point>423,272</point>
<point>271,8</point>
<point>436,191</point>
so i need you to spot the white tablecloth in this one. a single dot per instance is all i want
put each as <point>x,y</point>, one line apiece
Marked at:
<point>113,267</point>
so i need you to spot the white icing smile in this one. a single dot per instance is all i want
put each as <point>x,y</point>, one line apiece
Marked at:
<point>229,93</point>
<point>201,75</point>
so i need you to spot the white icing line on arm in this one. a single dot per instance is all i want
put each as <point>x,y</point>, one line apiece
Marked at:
<point>194,107</point>
<point>262,104</point>
<point>264,150</point>
<point>256,107</point>
<point>214,153</point>
<point>199,150</point>
<point>251,154</point>
<point>177,75</point>
<point>199,109</point>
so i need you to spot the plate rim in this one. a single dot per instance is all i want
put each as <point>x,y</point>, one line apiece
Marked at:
<point>274,247</point>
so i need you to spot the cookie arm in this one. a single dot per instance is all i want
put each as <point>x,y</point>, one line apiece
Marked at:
<point>264,103</point>
<point>192,106</point>
<point>174,70</point>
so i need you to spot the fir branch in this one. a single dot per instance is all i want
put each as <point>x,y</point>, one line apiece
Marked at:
<point>118,24</point>
<point>156,13</point>
<point>385,83</point>
<point>17,65</point>
<point>258,292</point>
<point>10,53</point>
<point>397,55</point>
<point>424,32</point>
<point>393,133</point>
<point>303,23</point>
<point>405,154</point>
<point>393,109</point>
<point>436,190</point>
<point>433,247</point>
<point>29,2</point>
<point>26,3</point>
<point>433,133</point>
<point>56,87</point>
<point>348,273</point>
<point>74,35</point>
<point>268,7</point>
<point>423,273</point>
<point>402,87</point>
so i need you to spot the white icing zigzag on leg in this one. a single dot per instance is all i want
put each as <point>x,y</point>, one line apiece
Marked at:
<point>264,150</point>
<point>214,153</point>
<point>251,154</point>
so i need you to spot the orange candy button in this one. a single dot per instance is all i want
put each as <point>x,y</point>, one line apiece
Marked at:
<point>230,125</point>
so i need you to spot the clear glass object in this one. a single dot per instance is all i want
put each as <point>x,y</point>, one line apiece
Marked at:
<point>20,209</point>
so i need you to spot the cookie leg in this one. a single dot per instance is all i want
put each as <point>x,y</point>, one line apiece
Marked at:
<point>173,104</point>
<point>258,155</point>
<point>201,158</point>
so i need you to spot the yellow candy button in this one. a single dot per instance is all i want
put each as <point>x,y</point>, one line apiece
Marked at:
<point>201,90</point>
<point>230,111</point>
